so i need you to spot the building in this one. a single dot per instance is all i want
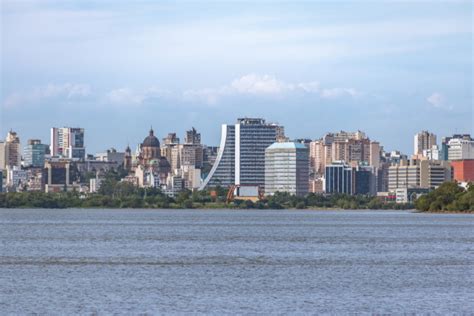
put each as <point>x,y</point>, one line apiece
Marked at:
<point>460,149</point>
<point>57,175</point>
<point>67,142</point>
<point>445,141</point>
<point>94,184</point>
<point>1,180</point>
<point>418,174</point>
<point>365,180</point>
<point>408,195</point>
<point>280,134</point>
<point>287,168</point>
<point>241,157</point>
<point>12,150</point>
<point>34,153</point>
<point>151,162</point>
<point>350,147</point>
<point>463,170</point>
<point>127,159</point>
<point>433,153</point>
<point>192,137</point>
<point>423,140</point>
<point>3,164</point>
<point>340,178</point>
<point>316,185</point>
<point>17,179</point>
<point>170,151</point>
<point>209,155</point>
<point>111,155</point>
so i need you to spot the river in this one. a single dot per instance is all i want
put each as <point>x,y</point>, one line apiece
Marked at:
<point>235,262</point>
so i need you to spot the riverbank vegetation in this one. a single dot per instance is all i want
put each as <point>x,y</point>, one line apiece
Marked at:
<point>125,195</point>
<point>448,197</point>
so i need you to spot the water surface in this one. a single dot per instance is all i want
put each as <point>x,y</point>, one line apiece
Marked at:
<point>224,261</point>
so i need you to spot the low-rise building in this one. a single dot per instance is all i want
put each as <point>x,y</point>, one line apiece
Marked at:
<point>463,170</point>
<point>418,174</point>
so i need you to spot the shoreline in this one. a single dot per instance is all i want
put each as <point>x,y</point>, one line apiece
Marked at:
<point>312,209</point>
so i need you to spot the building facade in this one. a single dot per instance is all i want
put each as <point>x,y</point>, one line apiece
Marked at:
<point>287,168</point>
<point>339,178</point>
<point>445,141</point>
<point>463,170</point>
<point>67,142</point>
<point>350,147</point>
<point>241,156</point>
<point>34,153</point>
<point>422,141</point>
<point>413,173</point>
<point>12,150</point>
<point>460,149</point>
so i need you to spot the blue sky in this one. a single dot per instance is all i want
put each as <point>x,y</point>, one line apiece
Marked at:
<point>117,67</point>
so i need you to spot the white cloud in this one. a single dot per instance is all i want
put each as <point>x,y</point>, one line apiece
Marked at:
<point>67,91</point>
<point>127,96</point>
<point>255,84</point>
<point>339,92</point>
<point>438,100</point>
<point>267,85</point>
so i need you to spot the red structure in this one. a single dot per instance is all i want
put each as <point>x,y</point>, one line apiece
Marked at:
<point>463,170</point>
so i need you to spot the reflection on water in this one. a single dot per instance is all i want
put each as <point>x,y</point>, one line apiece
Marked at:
<point>221,261</point>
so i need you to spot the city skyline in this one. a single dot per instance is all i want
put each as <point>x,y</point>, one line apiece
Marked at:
<point>109,67</point>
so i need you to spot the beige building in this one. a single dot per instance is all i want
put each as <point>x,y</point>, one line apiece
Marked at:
<point>12,150</point>
<point>3,164</point>
<point>418,174</point>
<point>351,147</point>
<point>422,141</point>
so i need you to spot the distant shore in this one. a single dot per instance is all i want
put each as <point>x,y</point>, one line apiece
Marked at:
<point>225,208</point>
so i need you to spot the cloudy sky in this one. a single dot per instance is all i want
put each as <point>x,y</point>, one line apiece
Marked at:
<point>118,67</point>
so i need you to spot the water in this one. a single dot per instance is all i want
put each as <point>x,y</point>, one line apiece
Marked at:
<point>227,262</point>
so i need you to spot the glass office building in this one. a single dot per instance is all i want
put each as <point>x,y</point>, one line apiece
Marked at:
<point>340,178</point>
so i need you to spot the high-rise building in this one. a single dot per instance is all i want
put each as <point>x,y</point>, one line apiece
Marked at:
<point>3,164</point>
<point>241,157</point>
<point>34,153</point>
<point>192,137</point>
<point>287,168</point>
<point>67,142</point>
<point>418,174</point>
<point>340,178</point>
<point>423,140</point>
<point>365,180</point>
<point>170,150</point>
<point>12,150</point>
<point>192,151</point>
<point>350,147</point>
<point>445,141</point>
<point>460,149</point>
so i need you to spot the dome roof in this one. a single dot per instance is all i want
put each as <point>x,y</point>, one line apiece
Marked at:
<point>151,140</point>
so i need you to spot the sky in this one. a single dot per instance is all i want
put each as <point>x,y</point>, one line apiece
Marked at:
<point>116,68</point>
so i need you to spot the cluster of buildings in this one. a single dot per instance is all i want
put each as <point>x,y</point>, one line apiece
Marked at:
<point>253,156</point>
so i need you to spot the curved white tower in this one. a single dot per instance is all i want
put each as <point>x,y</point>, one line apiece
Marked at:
<point>241,156</point>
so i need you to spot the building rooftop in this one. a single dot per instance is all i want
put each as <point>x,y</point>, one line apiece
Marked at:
<point>286,145</point>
